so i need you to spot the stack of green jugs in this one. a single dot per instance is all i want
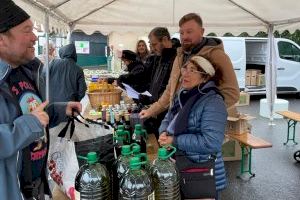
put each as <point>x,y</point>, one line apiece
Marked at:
<point>92,180</point>
<point>165,176</point>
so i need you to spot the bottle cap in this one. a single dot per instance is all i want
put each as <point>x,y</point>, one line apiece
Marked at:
<point>138,127</point>
<point>162,153</point>
<point>135,163</point>
<point>121,127</point>
<point>136,149</point>
<point>125,150</point>
<point>92,157</point>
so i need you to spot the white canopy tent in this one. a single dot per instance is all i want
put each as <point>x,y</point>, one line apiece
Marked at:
<point>219,16</point>
<point>140,16</point>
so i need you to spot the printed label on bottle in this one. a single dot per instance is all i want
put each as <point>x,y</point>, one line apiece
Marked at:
<point>151,196</point>
<point>77,195</point>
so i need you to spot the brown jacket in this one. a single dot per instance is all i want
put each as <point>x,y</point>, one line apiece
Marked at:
<point>228,84</point>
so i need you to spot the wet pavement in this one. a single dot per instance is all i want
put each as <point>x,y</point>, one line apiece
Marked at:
<point>277,173</point>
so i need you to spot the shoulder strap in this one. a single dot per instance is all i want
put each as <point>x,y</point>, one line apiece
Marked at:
<point>71,122</point>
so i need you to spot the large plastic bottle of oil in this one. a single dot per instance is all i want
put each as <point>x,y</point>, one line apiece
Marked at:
<point>92,180</point>
<point>165,176</point>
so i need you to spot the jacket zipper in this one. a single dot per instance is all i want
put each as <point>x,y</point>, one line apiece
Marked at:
<point>18,155</point>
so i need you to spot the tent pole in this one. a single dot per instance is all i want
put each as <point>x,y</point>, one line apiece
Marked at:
<point>47,53</point>
<point>271,86</point>
<point>71,28</point>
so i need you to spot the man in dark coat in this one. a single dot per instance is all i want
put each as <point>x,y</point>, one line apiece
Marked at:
<point>136,76</point>
<point>160,64</point>
<point>66,80</point>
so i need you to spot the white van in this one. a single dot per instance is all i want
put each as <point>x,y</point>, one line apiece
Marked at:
<point>250,54</point>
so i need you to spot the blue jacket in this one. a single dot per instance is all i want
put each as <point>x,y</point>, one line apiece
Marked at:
<point>205,133</point>
<point>16,132</point>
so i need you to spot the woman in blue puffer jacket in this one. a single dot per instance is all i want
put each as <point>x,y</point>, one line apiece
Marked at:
<point>195,123</point>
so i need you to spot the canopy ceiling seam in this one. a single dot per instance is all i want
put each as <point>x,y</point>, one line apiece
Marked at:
<point>143,24</point>
<point>52,9</point>
<point>286,21</point>
<point>250,12</point>
<point>44,8</point>
<point>91,12</point>
<point>58,5</point>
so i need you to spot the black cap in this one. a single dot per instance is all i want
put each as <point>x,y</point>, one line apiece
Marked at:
<point>11,15</point>
<point>128,55</point>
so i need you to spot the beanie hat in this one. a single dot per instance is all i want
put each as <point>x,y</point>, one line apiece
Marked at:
<point>204,64</point>
<point>11,15</point>
<point>128,55</point>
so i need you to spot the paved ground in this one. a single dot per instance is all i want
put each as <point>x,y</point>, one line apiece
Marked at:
<point>277,173</point>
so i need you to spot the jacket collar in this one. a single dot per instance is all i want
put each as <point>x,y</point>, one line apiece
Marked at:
<point>5,69</point>
<point>185,94</point>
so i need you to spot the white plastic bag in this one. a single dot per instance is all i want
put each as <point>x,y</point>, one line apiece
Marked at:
<point>62,161</point>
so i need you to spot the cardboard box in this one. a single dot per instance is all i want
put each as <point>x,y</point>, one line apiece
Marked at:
<point>238,125</point>
<point>261,80</point>
<point>248,78</point>
<point>244,99</point>
<point>253,76</point>
<point>231,151</point>
<point>253,80</point>
<point>232,111</point>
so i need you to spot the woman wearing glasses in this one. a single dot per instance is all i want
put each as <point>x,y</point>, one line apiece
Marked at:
<point>195,122</point>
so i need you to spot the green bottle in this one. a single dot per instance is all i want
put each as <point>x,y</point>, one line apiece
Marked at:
<point>92,180</point>
<point>120,166</point>
<point>139,136</point>
<point>165,176</point>
<point>136,183</point>
<point>136,152</point>
<point>121,137</point>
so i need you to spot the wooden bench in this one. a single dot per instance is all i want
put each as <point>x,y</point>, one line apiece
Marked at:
<point>248,142</point>
<point>292,119</point>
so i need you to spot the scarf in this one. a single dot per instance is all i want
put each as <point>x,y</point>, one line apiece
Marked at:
<point>187,99</point>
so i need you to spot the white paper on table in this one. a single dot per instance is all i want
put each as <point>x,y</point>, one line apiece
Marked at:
<point>147,94</point>
<point>133,93</point>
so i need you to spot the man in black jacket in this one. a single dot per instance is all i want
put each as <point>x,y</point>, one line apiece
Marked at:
<point>160,66</point>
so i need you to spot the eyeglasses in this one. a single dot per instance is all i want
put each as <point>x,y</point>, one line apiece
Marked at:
<point>184,69</point>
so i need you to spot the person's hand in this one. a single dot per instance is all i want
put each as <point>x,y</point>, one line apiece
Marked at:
<point>39,113</point>
<point>115,83</point>
<point>162,137</point>
<point>72,105</point>
<point>165,139</point>
<point>144,114</point>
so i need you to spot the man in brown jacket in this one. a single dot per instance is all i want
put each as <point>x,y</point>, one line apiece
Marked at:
<point>193,43</point>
